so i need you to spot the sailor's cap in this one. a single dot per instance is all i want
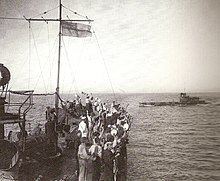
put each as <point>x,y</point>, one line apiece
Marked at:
<point>83,117</point>
<point>109,115</point>
<point>114,132</point>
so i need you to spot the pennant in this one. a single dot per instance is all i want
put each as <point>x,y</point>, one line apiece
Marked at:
<point>76,29</point>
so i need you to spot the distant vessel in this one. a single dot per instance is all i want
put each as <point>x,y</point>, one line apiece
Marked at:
<point>187,100</point>
<point>183,101</point>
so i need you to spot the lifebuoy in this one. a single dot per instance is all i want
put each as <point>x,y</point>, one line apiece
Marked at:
<point>5,75</point>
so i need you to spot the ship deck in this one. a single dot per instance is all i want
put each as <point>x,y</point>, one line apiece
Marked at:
<point>63,169</point>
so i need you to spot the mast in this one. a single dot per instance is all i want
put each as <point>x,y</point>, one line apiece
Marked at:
<point>59,53</point>
<point>60,20</point>
<point>58,74</point>
<point>58,66</point>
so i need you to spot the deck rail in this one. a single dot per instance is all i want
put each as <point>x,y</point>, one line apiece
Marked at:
<point>20,109</point>
<point>29,103</point>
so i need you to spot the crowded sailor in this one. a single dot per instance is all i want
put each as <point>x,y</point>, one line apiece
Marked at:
<point>100,134</point>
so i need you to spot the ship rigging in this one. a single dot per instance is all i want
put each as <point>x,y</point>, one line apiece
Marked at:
<point>67,27</point>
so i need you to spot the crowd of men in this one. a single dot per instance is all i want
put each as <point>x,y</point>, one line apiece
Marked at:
<point>98,134</point>
<point>101,137</point>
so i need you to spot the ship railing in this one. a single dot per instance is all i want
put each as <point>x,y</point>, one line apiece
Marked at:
<point>29,103</point>
<point>21,108</point>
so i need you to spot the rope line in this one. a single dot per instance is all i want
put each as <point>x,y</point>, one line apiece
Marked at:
<point>72,74</point>
<point>46,94</point>
<point>53,59</point>
<point>29,73</point>
<point>80,58</point>
<point>48,42</point>
<point>67,56</point>
<point>45,12</point>
<point>13,18</point>
<point>104,62</point>
<point>41,71</point>
<point>76,13</point>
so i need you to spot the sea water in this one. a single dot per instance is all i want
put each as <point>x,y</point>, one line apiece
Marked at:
<point>165,142</point>
<point>174,143</point>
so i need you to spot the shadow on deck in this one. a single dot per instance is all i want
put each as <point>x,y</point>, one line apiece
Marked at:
<point>63,169</point>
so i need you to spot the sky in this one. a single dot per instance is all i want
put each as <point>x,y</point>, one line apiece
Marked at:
<point>140,46</point>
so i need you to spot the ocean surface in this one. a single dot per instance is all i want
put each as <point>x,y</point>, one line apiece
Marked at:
<point>167,142</point>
